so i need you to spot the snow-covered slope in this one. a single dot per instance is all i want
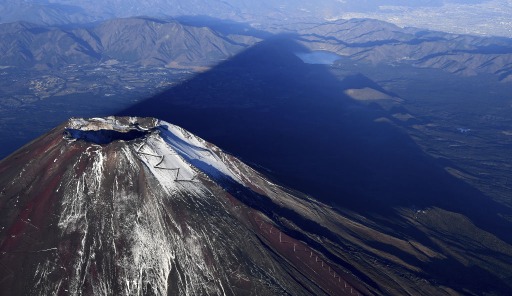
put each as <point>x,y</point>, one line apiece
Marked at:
<point>138,206</point>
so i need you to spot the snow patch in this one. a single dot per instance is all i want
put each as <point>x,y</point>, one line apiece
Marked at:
<point>193,149</point>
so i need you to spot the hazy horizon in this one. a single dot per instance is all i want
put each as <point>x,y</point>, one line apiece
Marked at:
<point>476,17</point>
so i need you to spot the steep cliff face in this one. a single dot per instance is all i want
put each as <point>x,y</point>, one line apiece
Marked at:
<point>137,206</point>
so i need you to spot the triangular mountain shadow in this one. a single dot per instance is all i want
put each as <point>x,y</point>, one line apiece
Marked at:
<point>269,108</point>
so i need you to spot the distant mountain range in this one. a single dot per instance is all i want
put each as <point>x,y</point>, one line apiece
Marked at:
<point>203,41</point>
<point>380,42</point>
<point>135,40</point>
<point>476,16</point>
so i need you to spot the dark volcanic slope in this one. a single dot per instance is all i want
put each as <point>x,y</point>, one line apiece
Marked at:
<point>154,210</point>
<point>139,206</point>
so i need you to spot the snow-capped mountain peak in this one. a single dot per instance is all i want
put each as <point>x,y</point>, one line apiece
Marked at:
<point>138,206</point>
